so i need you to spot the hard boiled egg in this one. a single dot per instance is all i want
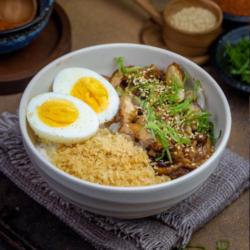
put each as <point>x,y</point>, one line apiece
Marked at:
<point>60,118</point>
<point>91,88</point>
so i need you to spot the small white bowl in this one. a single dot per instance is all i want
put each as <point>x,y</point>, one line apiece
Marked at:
<point>125,202</point>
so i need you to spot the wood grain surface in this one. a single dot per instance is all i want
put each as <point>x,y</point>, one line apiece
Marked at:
<point>97,22</point>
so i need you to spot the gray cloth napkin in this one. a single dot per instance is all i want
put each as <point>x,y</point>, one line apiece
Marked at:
<point>172,228</point>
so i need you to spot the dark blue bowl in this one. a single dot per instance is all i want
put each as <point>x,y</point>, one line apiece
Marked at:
<point>231,22</point>
<point>218,58</point>
<point>17,38</point>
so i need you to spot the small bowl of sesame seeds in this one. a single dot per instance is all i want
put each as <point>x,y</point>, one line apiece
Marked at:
<point>191,26</point>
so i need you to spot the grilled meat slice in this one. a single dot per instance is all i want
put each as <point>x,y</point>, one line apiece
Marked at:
<point>174,72</point>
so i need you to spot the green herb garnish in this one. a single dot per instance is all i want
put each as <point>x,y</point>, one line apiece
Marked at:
<point>200,117</point>
<point>186,77</point>
<point>196,89</point>
<point>222,245</point>
<point>122,68</point>
<point>163,131</point>
<point>165,108</point>
<point>154,125</point>
<point>157,132</point>
<point>173,95</point>
<point>180,107</point>
<point>238,58</point>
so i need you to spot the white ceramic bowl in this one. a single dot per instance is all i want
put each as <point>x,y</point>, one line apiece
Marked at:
<point>125,202</point>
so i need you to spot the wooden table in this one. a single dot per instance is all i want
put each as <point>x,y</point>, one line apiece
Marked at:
<point>25,223</point>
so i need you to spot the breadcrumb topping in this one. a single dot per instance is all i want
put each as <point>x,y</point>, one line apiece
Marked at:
<point>108,159</point>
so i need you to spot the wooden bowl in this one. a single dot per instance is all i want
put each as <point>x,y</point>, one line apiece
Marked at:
<point>185,42</point>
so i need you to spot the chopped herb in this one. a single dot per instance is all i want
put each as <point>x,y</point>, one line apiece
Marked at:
<point>157,132</point>
<point>155,128</point>
<point>173,96</point>
<point>120,64</point>
<point>186,77</point>
<point>202,119</point>
<point>238,59</point>
<point>222,245</point>
<point>212,135</point>
<point>119,90</point>
<point>181,107</point>
<point>163,131</point>
<point>196,89</point>
<point>122,68</point>
<point>174,135</point>
<point>167,108</point>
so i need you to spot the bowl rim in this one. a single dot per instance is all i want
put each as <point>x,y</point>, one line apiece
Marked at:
<point>206,32</point>
<point>99,187</point>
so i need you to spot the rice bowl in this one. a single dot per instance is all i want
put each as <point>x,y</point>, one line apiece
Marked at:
<point>125,202</point>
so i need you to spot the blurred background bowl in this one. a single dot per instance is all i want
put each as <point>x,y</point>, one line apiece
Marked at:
<point>218,58</point>
<point>232,21</point>
<point>190,44</point>
<point>17,38</point>
<point>236,13</point>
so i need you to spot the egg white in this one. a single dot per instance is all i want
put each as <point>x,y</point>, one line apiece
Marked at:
<point>82,128</point>
<point>65,80</point>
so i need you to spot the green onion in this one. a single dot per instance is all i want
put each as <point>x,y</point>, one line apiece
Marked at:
<point>161,102</point>
<point>186,77</point>
<point>157,133</point>
<point>163,131</point>
<point>173,95</point>
<point>121,67</point>
<point>196,89</point>
<point>202,119</point>
<point>119,90</point>
<point>181,107</point>
<point>222,245</point>
<point>155,128</point>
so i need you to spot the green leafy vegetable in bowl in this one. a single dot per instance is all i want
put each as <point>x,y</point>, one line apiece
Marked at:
<point>238,59</point>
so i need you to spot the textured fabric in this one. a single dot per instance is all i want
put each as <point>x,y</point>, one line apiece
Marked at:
<point>173,227</point>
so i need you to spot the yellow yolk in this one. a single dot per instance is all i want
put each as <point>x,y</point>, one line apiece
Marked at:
<point>58,113</point>
<point>91,91</point>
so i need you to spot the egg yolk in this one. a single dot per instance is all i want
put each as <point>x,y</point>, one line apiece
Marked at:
<point>91,91</point>
<point>58,113</point>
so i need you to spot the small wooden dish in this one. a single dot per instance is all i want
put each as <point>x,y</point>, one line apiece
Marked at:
<point>190,43</point>
<point>151,35</point>
<point>17,68</point>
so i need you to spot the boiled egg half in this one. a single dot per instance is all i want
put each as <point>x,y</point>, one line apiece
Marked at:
<point>91,88</point>
<point>61,118</point>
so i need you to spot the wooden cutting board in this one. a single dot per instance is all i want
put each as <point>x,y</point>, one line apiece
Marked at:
<point>17,68</point>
